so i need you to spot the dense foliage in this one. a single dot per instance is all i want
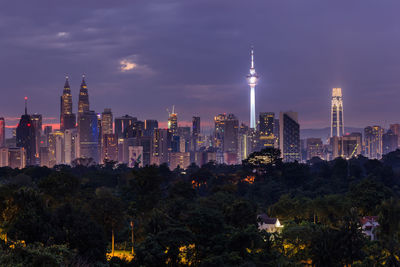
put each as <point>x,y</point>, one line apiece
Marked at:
<point>72,216</point>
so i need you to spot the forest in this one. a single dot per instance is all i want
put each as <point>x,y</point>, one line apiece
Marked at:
<point>112,215</point>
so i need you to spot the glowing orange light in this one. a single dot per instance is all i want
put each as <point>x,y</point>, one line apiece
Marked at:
<point>249,179</point>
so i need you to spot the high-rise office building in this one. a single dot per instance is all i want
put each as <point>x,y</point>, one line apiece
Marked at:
<point>106,122</point>
<point>2,132</point>
<point>230,145</point>
<point>389,142</point>
<point>37,124</point>
<point>83,102</point>
<point>26,136</point>
<point>184,139</point>
<point>149,126</point>
<point>395,128</point>
<point>373,142</point>
<point>289,140</point>
<point>136,129</point>
<point>67,117</point>
<point>162,146</point>
<point>13,157</point>
<point>110,148</point>
<point>56,148</point>
<point>195,133</point>
<point>70,144</point>
<point>337,124</point>
<point>219,122</point>
<point>314,148</point>
<point>346,146</point>
<point>88,133</point>
<point>265,137</point>
<point>181,159</point>
<point>173,121</point>
<point>252,79</point>
<point>122,123</point>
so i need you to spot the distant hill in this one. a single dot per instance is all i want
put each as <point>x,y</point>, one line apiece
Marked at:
<point>324,133</point>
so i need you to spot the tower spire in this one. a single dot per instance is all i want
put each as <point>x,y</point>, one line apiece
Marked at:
<point>26,105</point>
<point>252,57</point>
<point>252,78</point>
<point>66,85</point>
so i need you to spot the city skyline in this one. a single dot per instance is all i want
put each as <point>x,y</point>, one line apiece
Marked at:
<point>128,65</point>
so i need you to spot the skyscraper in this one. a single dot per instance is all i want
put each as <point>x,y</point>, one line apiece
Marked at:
<point>373,142</point>
<point>173,121</point>
<point>231,139</point>
<point>314,148</point>
<point>289,140</point>
<point>195,132</point>
<point>26,136</point>
<point>109,150</point>
<point>252,78</point>
<point>337,125</point>
<point>67,118</point>
<point>2,132</point>
<point>88,133</point>
<point>162,146</point>
<point>106,122</point>
<point>389,142</point>
<point>219,122</point>
<point>37,124</point>
<point>83,103</point>
<point>149,126</point>
<point>122,124</point>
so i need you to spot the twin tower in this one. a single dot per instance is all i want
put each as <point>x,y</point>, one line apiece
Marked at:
<point>67,117</point>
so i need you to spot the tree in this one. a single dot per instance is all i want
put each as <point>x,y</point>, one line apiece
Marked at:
<point>108,211</point>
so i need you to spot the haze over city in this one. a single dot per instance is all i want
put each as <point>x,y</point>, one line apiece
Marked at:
<point>143,57</point>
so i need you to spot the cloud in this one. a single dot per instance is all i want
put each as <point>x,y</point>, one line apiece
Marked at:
<point>126,65</point>
<point>63,34</point>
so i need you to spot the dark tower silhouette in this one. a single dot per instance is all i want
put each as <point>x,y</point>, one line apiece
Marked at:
<point>26,136</point>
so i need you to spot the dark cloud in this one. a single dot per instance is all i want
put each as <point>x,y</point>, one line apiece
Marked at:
<point>194,54</point>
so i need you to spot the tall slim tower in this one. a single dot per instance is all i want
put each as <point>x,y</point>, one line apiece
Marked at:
<point>83,104</point>
<point>252,78</point>
<point>337,125</point>
<point>67,118</point>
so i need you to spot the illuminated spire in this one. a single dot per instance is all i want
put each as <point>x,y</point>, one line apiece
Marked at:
<point>252,78</point>
<point>66,85</point>
<point>83,84</point>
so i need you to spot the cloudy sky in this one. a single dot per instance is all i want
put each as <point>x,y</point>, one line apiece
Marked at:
<point>141,57</point>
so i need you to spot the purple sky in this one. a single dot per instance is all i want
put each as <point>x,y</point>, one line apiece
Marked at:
<point>195,54</point>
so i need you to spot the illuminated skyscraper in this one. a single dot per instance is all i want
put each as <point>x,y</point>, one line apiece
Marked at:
<point>106,122</point>
<point>26,136</point>
<point>83,103</point>
<point>252,78</point>
<point>373,142</point>
<point>219,121</point>
<point>2,132</point>
<point>337,125</point>
<point>173,121</point>
<point>67,118</point>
